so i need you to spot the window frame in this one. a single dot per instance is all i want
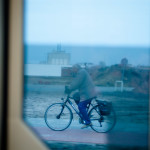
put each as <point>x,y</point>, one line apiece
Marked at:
<point>19,135</point>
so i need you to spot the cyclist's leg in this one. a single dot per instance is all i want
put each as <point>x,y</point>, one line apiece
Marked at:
<point>82,108</point>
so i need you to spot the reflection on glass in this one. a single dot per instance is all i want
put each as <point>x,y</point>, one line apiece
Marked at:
<point>112,46</point>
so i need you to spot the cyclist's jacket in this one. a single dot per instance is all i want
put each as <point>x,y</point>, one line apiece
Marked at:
<point>83,82</point>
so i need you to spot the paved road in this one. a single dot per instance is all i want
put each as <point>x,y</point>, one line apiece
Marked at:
<point>89,136</point>
<point>75,134</point>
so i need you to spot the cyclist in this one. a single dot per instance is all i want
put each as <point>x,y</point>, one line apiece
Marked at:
<point>84,84</point>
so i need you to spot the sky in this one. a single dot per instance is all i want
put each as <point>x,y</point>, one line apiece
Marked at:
<point>103,23</point>
<point>92,22</point>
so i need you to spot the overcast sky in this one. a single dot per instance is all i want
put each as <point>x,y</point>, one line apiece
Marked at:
<point>123,23</point>
<point>88,22</point>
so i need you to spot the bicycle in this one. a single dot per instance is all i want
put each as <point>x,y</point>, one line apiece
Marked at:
<point>58,116</point>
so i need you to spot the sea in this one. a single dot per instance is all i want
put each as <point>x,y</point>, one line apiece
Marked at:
<point>35,54</point>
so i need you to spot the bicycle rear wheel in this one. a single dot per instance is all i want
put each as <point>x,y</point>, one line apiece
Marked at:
<point>58,117</point>
<point>102,123</point>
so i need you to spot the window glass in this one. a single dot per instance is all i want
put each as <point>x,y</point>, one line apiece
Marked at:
<point>108,44</point>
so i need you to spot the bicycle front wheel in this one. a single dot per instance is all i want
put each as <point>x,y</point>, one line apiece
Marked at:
<point>102,123</point>
<point>58,117</point>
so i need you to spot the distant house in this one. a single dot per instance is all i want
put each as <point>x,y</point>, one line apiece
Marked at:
<point>58,57</point>
<point>124,62</point>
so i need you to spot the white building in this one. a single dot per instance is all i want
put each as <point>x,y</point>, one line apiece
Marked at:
<point>43,70</point>
<point>55,61</point>
<point>58,57</point>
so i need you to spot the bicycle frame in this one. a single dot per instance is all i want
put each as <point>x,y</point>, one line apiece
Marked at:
<point>71,104</point>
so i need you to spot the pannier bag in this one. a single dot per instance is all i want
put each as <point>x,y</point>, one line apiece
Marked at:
<point>105,107</point>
